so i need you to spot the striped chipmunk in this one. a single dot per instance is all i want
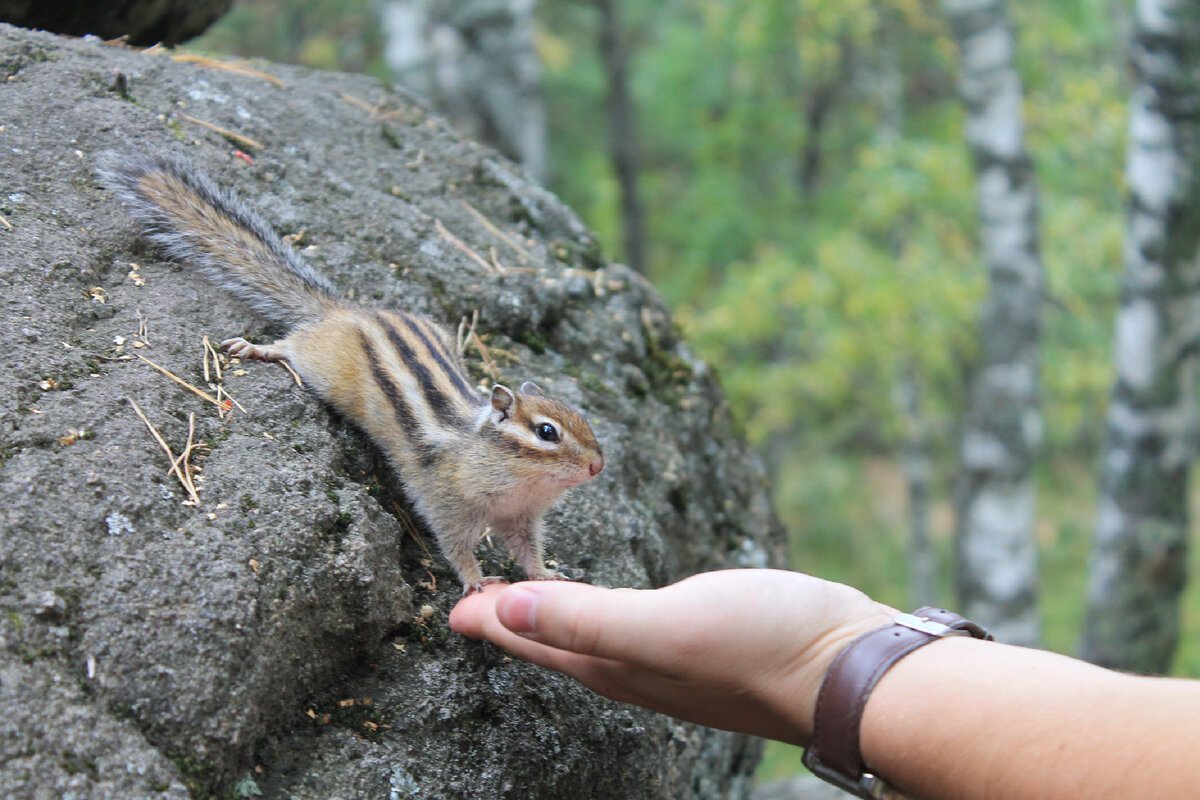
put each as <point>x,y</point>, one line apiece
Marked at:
<point>466,462</point>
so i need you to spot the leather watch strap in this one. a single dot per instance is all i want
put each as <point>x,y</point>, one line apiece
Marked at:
<point>835,754</point>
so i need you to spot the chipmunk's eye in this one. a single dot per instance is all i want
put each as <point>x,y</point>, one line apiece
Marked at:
<point>546,432</point>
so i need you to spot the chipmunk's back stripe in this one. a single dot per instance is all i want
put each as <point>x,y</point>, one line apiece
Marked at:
<point>424,330</point>
<point>438,402</point>
<point>395,395</point>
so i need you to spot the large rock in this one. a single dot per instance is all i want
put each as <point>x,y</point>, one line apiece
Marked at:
<point>143,21</point>
<point>288,635</point>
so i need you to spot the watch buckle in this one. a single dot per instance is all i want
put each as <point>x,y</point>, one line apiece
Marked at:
<point>927,625</point>
<point>866,786</point>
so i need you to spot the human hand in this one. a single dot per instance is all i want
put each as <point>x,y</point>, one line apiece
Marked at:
<point>742,650</point>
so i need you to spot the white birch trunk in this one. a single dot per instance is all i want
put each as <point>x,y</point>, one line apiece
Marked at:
<point>996,572</point>
<point>476,60</point>
<point>1139,555</point>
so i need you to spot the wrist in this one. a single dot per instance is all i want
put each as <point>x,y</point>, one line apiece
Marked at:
<point>822,655</point>
<point>835,753</point>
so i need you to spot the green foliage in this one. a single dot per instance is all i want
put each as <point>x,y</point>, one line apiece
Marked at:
<point>815,292</point>
<point>322,34</point>
<point>824,328</point>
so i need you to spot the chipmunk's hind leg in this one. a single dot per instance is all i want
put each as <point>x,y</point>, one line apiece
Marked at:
<point>523,538</point>
<point>457,536</point>
<point>240,348</point>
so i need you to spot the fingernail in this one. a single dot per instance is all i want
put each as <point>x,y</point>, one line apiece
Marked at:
<point>518,610</point>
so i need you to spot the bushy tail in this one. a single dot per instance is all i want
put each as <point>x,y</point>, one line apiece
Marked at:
<point>193,219</point>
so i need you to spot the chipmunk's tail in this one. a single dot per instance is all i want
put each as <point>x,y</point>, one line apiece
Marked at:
<point>193,219</point>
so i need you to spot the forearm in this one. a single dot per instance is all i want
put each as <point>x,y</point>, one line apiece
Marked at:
<point>965,719</point>
<point>958,718</point>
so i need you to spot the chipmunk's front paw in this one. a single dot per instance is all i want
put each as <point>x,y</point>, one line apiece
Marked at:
<point>550,575</point>
<point>557,571</point>
<point>477,586</point>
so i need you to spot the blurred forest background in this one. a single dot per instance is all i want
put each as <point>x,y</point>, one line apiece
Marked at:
<point>795,176</point>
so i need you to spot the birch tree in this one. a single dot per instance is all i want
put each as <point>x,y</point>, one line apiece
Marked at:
<point>1138,564</point>
<point>996,553</point>
<point>475,59</point>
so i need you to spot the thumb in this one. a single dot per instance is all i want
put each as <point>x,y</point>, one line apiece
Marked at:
<point>589,620</point>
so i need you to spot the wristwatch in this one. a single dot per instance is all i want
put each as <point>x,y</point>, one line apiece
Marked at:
<point>835,755</point>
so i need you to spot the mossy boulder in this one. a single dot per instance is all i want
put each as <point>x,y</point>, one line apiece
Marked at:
<point>287,634</point>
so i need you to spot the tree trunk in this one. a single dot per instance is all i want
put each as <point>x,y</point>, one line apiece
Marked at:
<point>817,108</point>
<point>1138,565</point>
<point>476,60</point>
<point>917,464</point>
<point>916,459</point>
<point>996,552</point>
<point>614,52</point>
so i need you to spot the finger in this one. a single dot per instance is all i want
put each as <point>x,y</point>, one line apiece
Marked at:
<point>475,616</point>
<point>468,615</point>
<point>556,625</point>
<point>612,624</point>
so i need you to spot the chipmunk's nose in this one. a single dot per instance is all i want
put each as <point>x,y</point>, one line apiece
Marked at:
<point>597,465</point>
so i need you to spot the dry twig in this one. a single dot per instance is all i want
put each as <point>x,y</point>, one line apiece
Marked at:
<point>496,260</point>
<point>454,240</point>
<point>183,383</point>
<point>295,375</point>
<point>184,475</point>
<point>363,104</point>
<point>504,237</point>
<point>186,455</point>
<point>465,332</point>
<point>411,528</point>
<point>238,138</point>
<point>211,352</point>
<point>223,392</point>
<point>489,363</point>
<point>218,385</point>
<point>238,67</point>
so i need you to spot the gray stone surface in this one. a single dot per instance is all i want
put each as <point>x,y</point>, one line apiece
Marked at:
<point>143,21</point>
<point>153,649</point>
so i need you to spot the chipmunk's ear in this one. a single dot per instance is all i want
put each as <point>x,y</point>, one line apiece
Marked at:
<point>502,402</point>
<point>532,389</point>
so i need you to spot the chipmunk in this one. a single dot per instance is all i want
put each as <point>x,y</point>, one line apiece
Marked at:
<point>466,462</point>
